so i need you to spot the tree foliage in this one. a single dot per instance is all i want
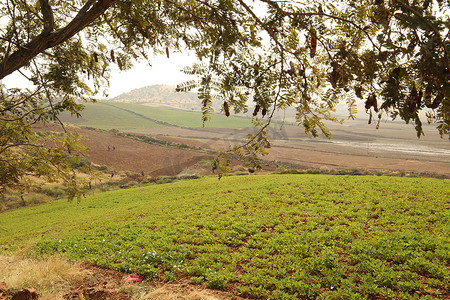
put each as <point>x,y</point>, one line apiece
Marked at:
<point>260,56</point>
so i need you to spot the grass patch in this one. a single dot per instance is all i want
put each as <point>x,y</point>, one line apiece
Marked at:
<point>275,236</point>
<point>51,276</point>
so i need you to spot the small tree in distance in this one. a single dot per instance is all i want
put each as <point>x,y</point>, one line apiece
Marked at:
<point>392,55</point>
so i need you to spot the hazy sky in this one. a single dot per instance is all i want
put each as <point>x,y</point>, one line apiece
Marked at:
<point>163,71</point>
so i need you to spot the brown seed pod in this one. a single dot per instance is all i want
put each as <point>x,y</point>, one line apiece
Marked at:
<point>167,52</point>
<point>358,91</point>
<point>226,108</point>
<point>419,99</point>
<point>369,101</point>
<point>412,99</point>
<point>396,71</point>
<point>436,101</point>
<point>427,95</point>
<point>255,112</point>
<point>96,57</point>
<point>119,64</point>
<point>264,111</point>
<point>335,76</point>
<point>374,103</point>
<point>112,55</point>
<point>313,45</point>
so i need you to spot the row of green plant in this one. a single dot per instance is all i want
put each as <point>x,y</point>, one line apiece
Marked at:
<point>182,118</point>
<point>155,141</point>
<point>263,237</point>
<point>102,116</point>
<point>109,115</point>
<point>289,169</point>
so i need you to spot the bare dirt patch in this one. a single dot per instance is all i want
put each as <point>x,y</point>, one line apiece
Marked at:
<point>394,147</point>
<point>124,154</point>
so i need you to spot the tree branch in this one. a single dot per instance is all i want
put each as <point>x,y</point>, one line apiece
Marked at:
<point>434,29</point>
<point>88,13</point>
<point>47,14</point>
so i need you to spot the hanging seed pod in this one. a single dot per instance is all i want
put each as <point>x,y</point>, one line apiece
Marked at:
<point>264,111</point>
<point>112,55</point>
<point>335,76</point>
<point>427,95</point>
<point>313,44</point>
<point>119,64</point>
<point>436,101</point>
<point>226,108</point>
<point>358,91</point>
<point>379,121</point>
<point>167,52</point>
<point>96,57</point>
<point>419,99</point>
<point>255,112</point>
<point>368,103</point>
<point>412,99</point>
<point>205,103</point>
<point>374,103</point>
<point>396,72</point>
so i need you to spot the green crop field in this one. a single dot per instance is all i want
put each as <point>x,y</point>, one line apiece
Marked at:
<point>109,115</point>
<point>261,236</point>
<point>103,116</point>
<point>181,117</point>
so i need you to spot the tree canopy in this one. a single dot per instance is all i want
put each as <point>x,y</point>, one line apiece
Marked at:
<point>260,56</point>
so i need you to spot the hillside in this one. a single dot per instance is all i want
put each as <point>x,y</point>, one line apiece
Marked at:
<point>283,237</point>
<point>160,95</point>
<point>115,115</point>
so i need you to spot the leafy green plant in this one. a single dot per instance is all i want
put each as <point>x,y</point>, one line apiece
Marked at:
<point>274,236</point>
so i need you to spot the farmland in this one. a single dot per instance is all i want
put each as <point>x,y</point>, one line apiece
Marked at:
<point>265,236</point>
<point>115,115</point>
<point>355,145</point>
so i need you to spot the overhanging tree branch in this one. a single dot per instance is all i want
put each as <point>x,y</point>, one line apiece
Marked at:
<point>90,11</point>
<point>47,14</point>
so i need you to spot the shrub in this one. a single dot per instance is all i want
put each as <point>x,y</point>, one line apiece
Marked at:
<point>55,191</point>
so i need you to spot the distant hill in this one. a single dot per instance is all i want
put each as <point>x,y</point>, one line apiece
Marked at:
<point>161,95</point>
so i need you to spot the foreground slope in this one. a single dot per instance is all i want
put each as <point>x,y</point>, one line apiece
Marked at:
<point>277,236</point>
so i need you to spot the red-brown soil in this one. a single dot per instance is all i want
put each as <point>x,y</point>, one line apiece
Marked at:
<point>99,284</point>
<point>392,148</point>
<point>102,284</point>
<point>125,154</point>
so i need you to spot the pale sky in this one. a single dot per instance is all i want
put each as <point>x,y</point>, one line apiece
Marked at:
<point>163,71</point>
